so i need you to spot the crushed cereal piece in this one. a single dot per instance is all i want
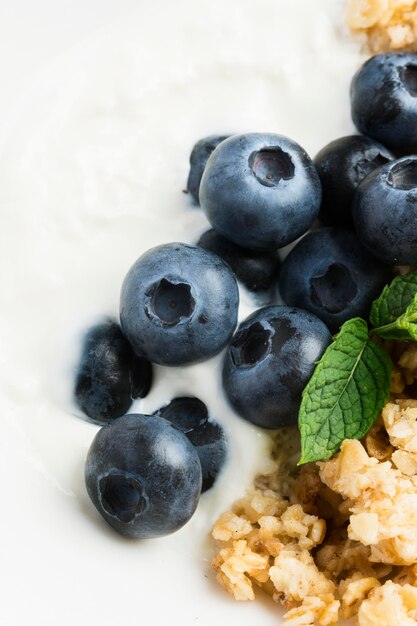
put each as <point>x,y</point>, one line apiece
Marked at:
<point>407,575</point>
<point>323,611</point>
<point>400,421</point>
<point>390,604</point>
<point>377,442</point>
<point>231,526</point>
<point>324,540</point>
<point>406,462</point>
<point>295,575</point>
<point>353,592</point>
<point>383,503</point>
<point>388,24</point>
<point>238,566</point>
<point>308,530</point>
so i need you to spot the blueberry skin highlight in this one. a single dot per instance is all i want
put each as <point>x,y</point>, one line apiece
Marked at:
<point>261,191</point>
<point>257,270</point>
<point>143,476</point>
<point>384,100</point>
<point>179,304</point>
<point>342,165</point>
<point>198,160</point>
<point>269,362</point>
<point>331,274</point>
<point>109,374</point>
<point>385,212</point>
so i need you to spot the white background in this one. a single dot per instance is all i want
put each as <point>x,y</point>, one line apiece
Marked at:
<point>44,555</point>
<point>58,565</point>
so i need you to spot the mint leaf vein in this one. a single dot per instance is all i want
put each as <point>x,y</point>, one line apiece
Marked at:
<point>348,389</point>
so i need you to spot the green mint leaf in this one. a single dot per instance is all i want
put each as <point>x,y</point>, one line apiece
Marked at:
<point>394,300</point>
<point>403,328</point>
<point>346,393</point>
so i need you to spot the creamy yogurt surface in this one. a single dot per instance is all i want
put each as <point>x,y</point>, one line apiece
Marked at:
<point>91,176</point>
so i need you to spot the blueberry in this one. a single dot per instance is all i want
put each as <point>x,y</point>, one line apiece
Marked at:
<point>198,159</point>
<point>269,362</point>
<point>179,304</point>
<point>109,374</point>
<point>260,191</point>
<point>211,445</point>
<point>385,212</point>
<point>187,413</point>
<point>190,415</point>
<point>256,269</point>
<point>331,274</point>
<point>143,476</point>
<point>384,100</point>
<point>342,165</point>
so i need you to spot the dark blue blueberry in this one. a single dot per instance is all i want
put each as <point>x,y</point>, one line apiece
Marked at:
<point>384,100</point>
<point>179,304</point>
<point>342,165</point>
<point>261,191</point>
<point>385,212</point>
<point>211,445</point>
<point>140,377</point>
<point>269,362</point>
<point>332,275</point>
<point>190,415</point>
<point>187,413</point>
<point>109,374</point>
<point>143,476</point>
<point>198,159</point>
<point>257,270</point>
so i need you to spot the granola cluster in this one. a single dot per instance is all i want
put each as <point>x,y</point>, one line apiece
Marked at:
<point>387,24</point>
<point>337,539</point>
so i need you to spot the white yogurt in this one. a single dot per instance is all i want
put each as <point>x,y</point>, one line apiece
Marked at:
<point>91,176</point>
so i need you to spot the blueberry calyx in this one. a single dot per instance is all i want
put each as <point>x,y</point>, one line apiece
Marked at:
<point>178,304</point>
<point>408,75</point>
<point>170,302</point>
<point>384,100</point>
<point>271,165</point>
<point>373,159</point>
<point>268,392</point>
<point>260,191</point>
<point>403,175</point>
<point>334,289</point>
<point>250,346</point>
<point>122,496</point>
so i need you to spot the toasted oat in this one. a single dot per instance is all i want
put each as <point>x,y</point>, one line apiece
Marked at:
<point>353,591</point>
<point>238,567</point>
<point>400,420</point>
<point>388,24</point>
<point>313,610</point>
<point>382,502</point>
<point>377,442</point>
<point>324,540</point>
<point>391,604</point>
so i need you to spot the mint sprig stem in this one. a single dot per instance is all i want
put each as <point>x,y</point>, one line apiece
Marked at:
<point>351,382</point>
